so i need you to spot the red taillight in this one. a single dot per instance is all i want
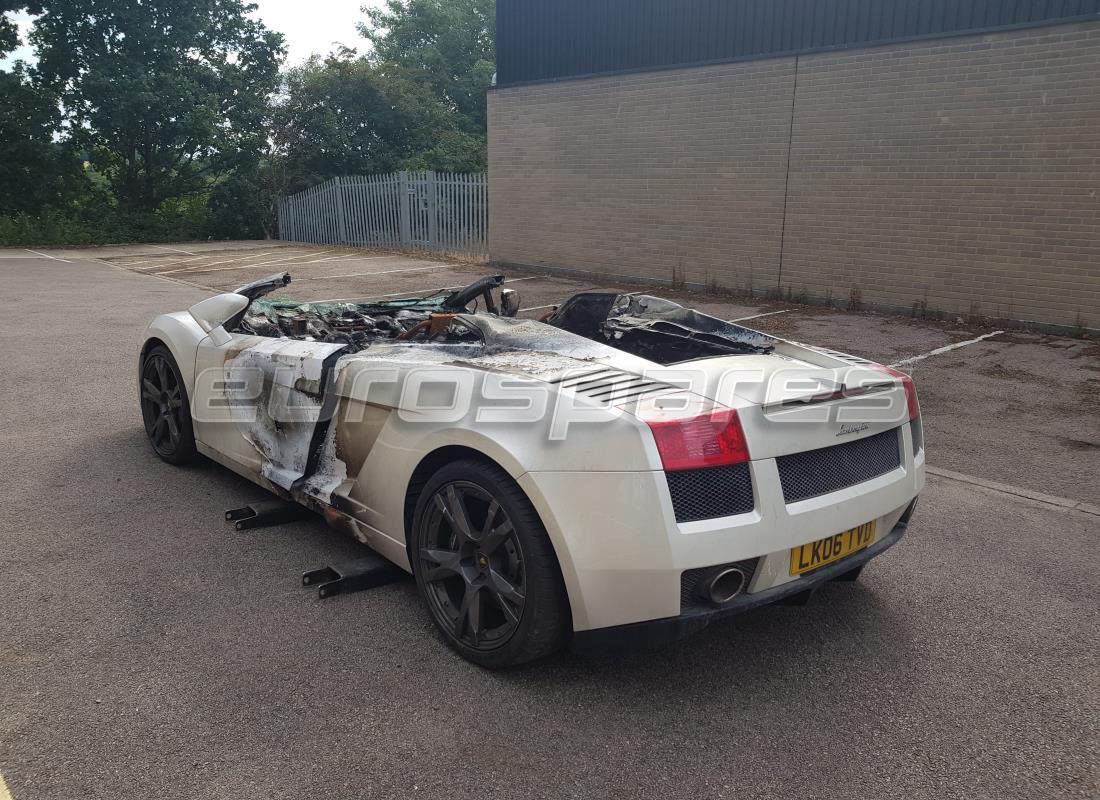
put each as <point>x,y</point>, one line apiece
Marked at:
<point>712,439</point>
<point>910,391</point>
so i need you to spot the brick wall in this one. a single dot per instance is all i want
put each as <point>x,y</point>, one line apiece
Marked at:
<point>645,175</point>
<point>964,173</point>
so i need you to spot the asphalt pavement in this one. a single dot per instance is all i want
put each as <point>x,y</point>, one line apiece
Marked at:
<point>147,650</point>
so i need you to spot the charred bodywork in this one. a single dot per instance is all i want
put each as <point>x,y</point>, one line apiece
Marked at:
<point>649,327</point>
<point>358,325</point>
<point>659,449</point>
<point>283,377</point>
<point>655,329</point>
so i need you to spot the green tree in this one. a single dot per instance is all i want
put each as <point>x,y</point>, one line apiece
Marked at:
<point>165,95</point>
<point>346,115</point>
<point>450,45</point>
<point>9,33</point>
<point>416,100</point>
<point>35,170</point>
<point>244,203</point>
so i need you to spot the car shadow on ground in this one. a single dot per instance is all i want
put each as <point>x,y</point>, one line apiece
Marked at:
<point>845,633</point>
<point>779,639</point>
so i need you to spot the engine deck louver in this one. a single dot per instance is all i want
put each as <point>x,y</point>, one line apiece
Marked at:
<point>611,386</point>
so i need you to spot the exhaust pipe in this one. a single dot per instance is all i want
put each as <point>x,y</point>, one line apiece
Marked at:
<point>722,585</point>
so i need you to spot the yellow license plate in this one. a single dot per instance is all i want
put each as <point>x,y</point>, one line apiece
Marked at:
<point>810,556</point>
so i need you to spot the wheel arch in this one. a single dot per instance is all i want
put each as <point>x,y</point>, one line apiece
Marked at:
<point>149,344</point>
<point>447,454</point>
<point>183,450</point>
<point>430,464</point>
<point>186,370</point>
<point>181,337</point>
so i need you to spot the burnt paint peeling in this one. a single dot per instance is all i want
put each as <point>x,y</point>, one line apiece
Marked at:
<point>289,364</point>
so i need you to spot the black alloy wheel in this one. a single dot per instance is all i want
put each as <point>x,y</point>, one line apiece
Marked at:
<point>485,567</point>
<point>473,565</point>
<point>165,408</point>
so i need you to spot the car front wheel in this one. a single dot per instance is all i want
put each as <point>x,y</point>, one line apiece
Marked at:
<point>485,567</point>
<point>165,408</point>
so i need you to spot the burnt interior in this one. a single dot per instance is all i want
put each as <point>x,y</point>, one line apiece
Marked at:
<point>357,325</point>
<point>649,327</point>
<point>655,329</point>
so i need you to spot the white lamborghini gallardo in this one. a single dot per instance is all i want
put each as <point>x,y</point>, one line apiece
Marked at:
<point>622,469</point>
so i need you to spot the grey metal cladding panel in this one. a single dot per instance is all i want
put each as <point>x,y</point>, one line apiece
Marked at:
<point>550,39</point>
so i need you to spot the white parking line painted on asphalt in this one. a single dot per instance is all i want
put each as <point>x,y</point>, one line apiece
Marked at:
<point>287,260</point>
<point>410,294</point>
<point>215,263</point>
<point>158,264</point>
<point>346,257</point>
<point>173,249</point>
<point>366,274</point>
<point>47,255</point>
<point>5,794</point>
<point>756,316</point>
<point>945,349</point>
<point>1017,491</point>
<point>240,259</point>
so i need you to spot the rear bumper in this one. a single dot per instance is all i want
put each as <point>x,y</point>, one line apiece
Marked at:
<point>657,632</point>
<point>623,554</point>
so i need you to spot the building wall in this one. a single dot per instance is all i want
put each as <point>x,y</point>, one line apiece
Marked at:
<point>552,39</point>
<point>651,175</point>
<point>961,173</point>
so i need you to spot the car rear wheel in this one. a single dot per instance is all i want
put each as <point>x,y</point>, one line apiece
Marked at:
<point>165,408</point>
<point>485,567</point>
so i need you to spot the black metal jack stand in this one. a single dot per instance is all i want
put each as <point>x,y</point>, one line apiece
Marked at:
<point>264,513</point>
<point>353,576</point>
<point>366,572</point>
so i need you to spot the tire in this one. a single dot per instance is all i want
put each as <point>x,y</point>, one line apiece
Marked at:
<point>492,585</point>
<point>166,408</point>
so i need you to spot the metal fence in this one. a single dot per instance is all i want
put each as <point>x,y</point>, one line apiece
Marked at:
<point>438,211</point>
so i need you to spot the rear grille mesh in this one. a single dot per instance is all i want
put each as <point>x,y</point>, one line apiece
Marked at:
<point>817,472</point>
<point>711,492</point>
<point>689,580</point>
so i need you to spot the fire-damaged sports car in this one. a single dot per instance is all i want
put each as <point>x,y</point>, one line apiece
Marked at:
<point>623,468</point>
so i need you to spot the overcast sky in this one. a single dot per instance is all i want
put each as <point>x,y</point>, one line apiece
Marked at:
<point>313,27</point>
<point>310,26</point>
